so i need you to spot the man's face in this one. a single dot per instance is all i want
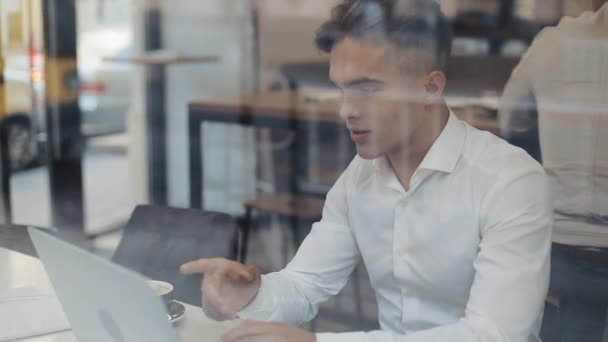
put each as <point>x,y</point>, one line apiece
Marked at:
<point>382,105</point>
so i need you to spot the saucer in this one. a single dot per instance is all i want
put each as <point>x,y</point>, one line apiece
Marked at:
<point>175,312</point>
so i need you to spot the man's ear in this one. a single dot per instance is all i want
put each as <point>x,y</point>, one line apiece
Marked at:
<point>434,86</point>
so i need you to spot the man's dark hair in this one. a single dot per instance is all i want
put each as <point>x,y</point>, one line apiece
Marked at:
<point>417,25</point>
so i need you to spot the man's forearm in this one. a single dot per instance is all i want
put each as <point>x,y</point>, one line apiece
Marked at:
<point>279,300</point>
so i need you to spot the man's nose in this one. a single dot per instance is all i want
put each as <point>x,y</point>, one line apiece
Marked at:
<point>349,109</point>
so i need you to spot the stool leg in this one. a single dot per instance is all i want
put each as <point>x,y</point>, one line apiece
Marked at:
<point>358,296</point>
<point>296,233</point>
<point>245,231</point>
<point>285,248</point>
<point>313,325</point>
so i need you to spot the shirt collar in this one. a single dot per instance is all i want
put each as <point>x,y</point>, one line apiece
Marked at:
<point>445,151</point>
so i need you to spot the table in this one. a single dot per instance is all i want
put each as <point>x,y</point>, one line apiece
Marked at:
<point>270,110</point>
<point>276,109</point>
<point>17,270</point>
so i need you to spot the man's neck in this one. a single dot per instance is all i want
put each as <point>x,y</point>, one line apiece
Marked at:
<point>407,159</point>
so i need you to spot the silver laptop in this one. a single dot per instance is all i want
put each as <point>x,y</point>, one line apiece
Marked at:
<point>102,301</point>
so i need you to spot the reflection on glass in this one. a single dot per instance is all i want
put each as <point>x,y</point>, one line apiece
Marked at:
<point>385,169</point>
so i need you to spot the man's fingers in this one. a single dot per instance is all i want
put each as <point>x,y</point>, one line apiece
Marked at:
<point>243,273</point>
<point>252,273</point>
<point>248,331</point>
<point>200,266</point>
<point>233,270</point>
<point>213,305</point>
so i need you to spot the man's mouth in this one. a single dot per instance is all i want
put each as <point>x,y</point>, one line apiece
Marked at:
<point>359,136</point>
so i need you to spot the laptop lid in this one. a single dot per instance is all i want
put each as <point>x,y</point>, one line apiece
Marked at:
<point>102,301</point>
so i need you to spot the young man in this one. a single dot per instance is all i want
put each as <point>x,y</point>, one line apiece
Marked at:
<point>453,224</point>
<point>564,78</point>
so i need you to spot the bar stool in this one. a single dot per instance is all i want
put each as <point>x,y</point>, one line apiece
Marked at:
<point>284,205</point>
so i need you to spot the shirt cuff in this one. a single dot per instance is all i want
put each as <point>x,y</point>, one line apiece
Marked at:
<point>257,306</point>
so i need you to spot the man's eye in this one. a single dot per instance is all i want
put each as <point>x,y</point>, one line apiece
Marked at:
<point>367,90</point>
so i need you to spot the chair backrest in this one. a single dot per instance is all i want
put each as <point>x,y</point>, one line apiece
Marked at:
<point>158,240</point>
<point>16,238</point>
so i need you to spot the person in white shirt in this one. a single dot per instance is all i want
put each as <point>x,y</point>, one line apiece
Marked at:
<point>562,82</point>
<point>452,223</point>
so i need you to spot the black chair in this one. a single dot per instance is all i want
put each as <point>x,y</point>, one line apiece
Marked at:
<point>16,238</point>
<point>156,241</point>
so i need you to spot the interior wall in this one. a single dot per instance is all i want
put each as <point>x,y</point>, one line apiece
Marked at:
<point>287,29</point>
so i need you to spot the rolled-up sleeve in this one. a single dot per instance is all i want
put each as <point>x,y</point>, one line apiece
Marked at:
<point>511,270</point>
<point>319,270</point>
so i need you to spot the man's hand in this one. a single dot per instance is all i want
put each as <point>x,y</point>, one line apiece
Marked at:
<point>227,288</point>
<point>268,332</point>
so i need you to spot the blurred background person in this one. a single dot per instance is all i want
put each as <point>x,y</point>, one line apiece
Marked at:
<point>560,89</point>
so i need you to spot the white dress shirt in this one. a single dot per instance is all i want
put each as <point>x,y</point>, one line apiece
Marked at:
<point>564,77</point>
<point>462,256</point>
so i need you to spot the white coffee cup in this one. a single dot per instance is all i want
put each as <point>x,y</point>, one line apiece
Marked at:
<point>163,289</point>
